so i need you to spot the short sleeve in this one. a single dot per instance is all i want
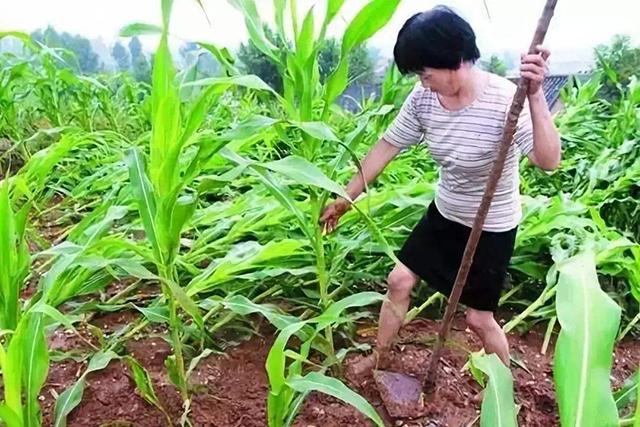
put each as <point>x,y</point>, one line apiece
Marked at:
<point>406,129</point>
<point>523,137</point>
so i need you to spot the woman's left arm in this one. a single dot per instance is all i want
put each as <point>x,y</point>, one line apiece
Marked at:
<point>546,151</point>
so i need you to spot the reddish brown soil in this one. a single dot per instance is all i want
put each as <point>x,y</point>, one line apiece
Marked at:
<point>230,390</point>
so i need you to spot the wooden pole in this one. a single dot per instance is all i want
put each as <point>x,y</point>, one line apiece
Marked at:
<point>496,172</point>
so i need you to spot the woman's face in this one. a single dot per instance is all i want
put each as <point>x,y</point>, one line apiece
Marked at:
<point>442,81</point>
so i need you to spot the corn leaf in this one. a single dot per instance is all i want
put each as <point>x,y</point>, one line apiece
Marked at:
<point>14,258</point>
<point>139,29</point>
<point>12,371</point>
<point>304,43</point>
<point>276,360</point>
<point>315,381</point>
<point>35,365</point>
<point>143,382</point>
<point>224,57</point>
<point>255,28</point>
<point>145,197</point>
<point>185,302</point>
<point>498,407</point>
<point>366,23</point>
<point>582,364</point>
<point>334,311</point>
<point>319,130</point>
<point>243,306</point>
<point>629,391</point>
<point>304,172</point>
<point>72,396</point>
<point>10,418</point>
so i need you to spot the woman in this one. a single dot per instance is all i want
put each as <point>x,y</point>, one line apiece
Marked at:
<point>459,112</point>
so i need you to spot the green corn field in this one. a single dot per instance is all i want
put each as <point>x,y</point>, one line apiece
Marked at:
<point>187,209</point>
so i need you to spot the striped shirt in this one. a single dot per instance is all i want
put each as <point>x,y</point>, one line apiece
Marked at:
<point>465,144</point>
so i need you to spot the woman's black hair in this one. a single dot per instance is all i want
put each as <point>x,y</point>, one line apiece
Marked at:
<point>437,38</point>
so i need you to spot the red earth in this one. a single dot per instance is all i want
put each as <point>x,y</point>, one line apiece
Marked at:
<point>230,390</point>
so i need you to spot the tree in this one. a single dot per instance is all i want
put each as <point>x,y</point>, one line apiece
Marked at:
<point>495,65</point>
<point>206,63</point>
<point>360,61</point>
<point>122,57</point>
<point>619,60</point>
<point>87,60</point>
<point>139,63</point>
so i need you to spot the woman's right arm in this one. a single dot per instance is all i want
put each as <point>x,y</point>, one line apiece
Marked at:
<point>372,165</point>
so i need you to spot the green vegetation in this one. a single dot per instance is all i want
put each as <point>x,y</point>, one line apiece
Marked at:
<point>210,188</point>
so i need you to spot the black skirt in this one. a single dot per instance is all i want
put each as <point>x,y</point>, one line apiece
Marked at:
<point>434,250</point>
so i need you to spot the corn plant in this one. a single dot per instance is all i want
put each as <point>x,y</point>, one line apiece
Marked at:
<point>289,384</point>
<point>498,407</point>
<point>23,354</point>
<point>159,183</point>
<point>14,258</point>
<point>583,355</point>
<point>298,65</point>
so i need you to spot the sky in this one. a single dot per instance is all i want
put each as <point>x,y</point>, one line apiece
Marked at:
<point>578,25</point>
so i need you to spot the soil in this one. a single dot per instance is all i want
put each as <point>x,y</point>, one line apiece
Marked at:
<point>230,390</point>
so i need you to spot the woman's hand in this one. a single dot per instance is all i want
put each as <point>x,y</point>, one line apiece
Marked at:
<point>534,67</point>
<point>332,214</point>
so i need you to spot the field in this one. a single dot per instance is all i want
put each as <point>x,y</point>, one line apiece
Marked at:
<point>162,262</point>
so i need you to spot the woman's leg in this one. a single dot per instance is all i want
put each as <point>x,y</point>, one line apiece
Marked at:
<point>493,338</point>
<point>400,282</point>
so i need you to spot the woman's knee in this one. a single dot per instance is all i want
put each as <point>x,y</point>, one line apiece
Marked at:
<point>401,281</point>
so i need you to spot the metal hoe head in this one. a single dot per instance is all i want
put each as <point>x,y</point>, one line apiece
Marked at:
<point>401,394</point>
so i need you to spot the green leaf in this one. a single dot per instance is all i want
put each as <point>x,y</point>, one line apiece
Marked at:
<point>187,304</point>
<point>583,357</point>
<point>251,127</point>
<point>13,370</point>
<point>255,28</point>
<point>304,172</point>
<point>224,57</point>
<point>172,370</point>
<point>371,18</point>
<point>143,382</point>
<point>10,418</point>
<point>276,360</point>
<point>498,407</point>
<point>286,199</point>
<point>304,43</point>
<point>333,312</point>
<point>159,314</point>
<point>145,197</point>
<point>243,306</point>
<point>315,381</point>
<point>333,7</point>
<point>319,130</point>
<point>218,85</point>
<point>139,29</point>
<point>629,391</point>
<point>53,313</point>
<point>72,396</point>
<point>35,365</point>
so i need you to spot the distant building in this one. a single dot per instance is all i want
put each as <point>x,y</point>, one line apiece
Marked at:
<point>552,86</point>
